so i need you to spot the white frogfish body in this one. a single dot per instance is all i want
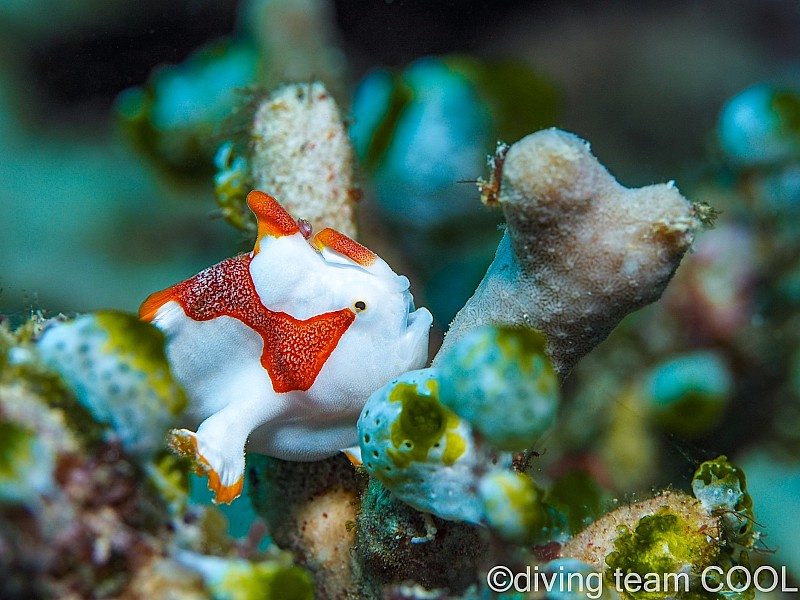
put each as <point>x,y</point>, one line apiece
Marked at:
<point>279,349</point>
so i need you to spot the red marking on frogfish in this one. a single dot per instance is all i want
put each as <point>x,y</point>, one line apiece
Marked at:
<point>273,219</point>
<point>294,350</point>
<point>344,245</point>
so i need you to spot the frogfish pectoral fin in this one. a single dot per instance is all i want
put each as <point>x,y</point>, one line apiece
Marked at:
<point>185,443</point>
<point>273,220</point>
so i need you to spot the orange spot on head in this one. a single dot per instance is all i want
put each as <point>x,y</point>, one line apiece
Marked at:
<point>150,306</point>
<point>330,238</point>
<point>272,217</point>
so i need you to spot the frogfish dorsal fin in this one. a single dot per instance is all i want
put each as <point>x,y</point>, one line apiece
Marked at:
<point>339,242</point>
<point>273,220</point>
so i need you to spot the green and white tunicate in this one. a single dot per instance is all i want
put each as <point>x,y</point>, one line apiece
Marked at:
<point>419,448</point>
<point>688,394</point>
<point>513,506</point>
<point>501,381</point>
<point>116,367</point>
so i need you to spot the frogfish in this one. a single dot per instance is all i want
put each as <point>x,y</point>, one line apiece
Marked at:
<point>278,349</point>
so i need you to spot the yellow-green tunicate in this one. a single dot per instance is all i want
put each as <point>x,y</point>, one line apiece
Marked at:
<point>26,463</point>
<point>239,579</point>
<point>231,185</point>
<point>661,543</point>
<point>688,394</point>
<point>513,505</point>
<point>419,448</point>
<point>502,382</point>
<point>721,487</point>
<point>115,365</point>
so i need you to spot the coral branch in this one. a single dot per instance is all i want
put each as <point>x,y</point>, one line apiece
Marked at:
<point>581,251</point>
<point>303,155</point>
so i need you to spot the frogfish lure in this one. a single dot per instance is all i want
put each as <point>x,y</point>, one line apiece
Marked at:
<point>279,349</point>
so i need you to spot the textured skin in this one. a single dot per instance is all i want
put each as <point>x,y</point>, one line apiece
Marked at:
<point>294,351</point>
<point>280,348</point>
<point>344,245</point>
<point>581,251</point>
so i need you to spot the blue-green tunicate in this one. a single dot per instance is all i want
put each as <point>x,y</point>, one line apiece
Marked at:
<point>689,393</point>
<point>721,487</point>
<point>174,118</point>
<point>420,449</point>
<point>513,505</point>
<point>116,366</point>
<point>760,126</point>
<point>501,380</point>
<point>231,185</point>
<point>567,585</point>
<point>420,133</point>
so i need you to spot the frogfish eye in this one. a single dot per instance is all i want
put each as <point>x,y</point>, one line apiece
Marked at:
<point>359,306</point>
